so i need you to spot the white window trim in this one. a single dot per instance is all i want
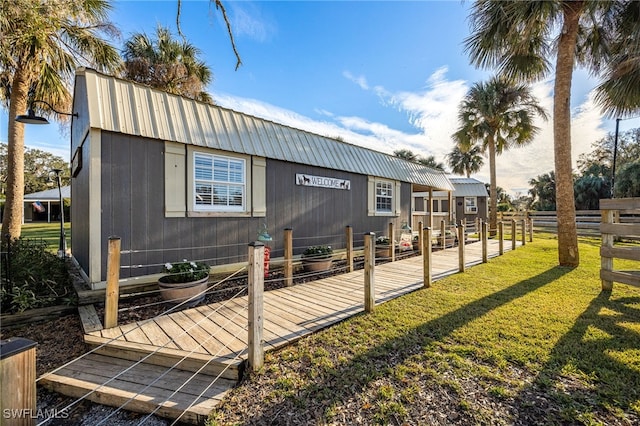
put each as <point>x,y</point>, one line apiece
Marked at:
<point>471,209</point>
<point>199,210</point>
<point>372,197</point>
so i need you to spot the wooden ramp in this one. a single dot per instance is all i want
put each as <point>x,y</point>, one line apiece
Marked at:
<point>208,344</point>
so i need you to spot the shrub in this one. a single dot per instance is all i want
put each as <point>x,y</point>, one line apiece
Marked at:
<point>318,252</point>
<point>35,277</point>
<point>185,271</point>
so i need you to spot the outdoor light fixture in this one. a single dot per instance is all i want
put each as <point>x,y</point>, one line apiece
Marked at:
<point>62,246</point>
<point>32,118</point>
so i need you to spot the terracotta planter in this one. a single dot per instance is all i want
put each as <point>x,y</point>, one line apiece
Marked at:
<point>383,250</point>
<point>316,265</point>
<point>179,292</point>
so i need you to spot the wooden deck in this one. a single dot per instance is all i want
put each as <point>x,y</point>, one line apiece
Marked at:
<point>210,341</point>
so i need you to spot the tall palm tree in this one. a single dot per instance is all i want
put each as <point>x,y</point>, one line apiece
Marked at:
<point>430,161</point>
<point>465,162</point>
<point>496,116</point>
<point>518,37</point>
<point>42,44</point>
<point>167,64</point>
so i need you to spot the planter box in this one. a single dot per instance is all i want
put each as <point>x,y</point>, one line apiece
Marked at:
<point>383,250</point>
<point>316,265</point>
<point>179,292</point>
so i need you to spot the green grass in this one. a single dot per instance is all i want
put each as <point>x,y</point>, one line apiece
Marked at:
<point>48,232</point>
<point>516,340</point>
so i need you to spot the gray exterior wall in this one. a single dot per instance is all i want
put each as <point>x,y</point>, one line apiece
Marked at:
<point>132,204</point>
<point>482,210</point>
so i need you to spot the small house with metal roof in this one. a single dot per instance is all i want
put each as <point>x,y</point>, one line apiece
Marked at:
<point>469,199</point>
<point>179,179</point>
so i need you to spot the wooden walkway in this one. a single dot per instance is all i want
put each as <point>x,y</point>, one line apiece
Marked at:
<point>210,342</point>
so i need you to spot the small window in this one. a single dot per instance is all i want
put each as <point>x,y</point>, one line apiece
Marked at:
<point>470,205</point>
<point>384,196</point>
<point>219,183</point>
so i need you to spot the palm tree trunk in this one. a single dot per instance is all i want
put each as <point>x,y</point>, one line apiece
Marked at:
<point>12,216</point>
<point>493,188</point>
<point>567,232</point>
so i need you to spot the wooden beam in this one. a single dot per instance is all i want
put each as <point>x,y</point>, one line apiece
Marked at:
<point>113,287</point>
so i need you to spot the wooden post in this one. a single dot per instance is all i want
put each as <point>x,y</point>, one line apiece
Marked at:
<point>288,257</point>
<point>523,223</point>
<point>530,229</point>
<point>461,261</point>
<point>349,238</point>
<point>369,271</point>
<point>18,381</point>
<point>606,263</point>
<point>420,237</point>
<point>426,256</point>
<point>513,234</point>
<point>113,287</point>
<point>500,238</point>
<point>256,302</point>
<point>485,241</point>
<point>392,238</point>
<point>443,234</point>
<point>477,226</point>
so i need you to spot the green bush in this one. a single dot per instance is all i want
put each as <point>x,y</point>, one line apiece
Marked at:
<point>35,278</point>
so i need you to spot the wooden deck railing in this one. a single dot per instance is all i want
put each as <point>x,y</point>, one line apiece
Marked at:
<point>612,229</point>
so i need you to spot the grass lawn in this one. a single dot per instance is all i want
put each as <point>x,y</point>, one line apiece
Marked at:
<point>518,340</point>
<point>48,232</point>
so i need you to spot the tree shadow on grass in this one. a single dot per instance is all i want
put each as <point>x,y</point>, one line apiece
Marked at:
<point>588,376</point>
<point>340,383</point>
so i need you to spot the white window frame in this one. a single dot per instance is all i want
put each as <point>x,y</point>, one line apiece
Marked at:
<point>228,183</point>
<point>388,198</point>
<point>471,208</point>
<point>395,188</point>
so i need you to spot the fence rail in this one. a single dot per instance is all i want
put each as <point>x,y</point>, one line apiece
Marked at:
<point>612,227</point>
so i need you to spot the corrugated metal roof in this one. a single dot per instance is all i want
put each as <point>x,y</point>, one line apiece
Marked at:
<point>468,187</point>
<point>49,194</point>
<point>125,107</point>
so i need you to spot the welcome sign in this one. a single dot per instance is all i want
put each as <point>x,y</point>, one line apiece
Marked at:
<point>322,182</point>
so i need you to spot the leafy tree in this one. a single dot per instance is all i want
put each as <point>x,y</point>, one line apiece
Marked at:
<point>431,161</point>
<point>589,189</point>
<point>42,44</point>
<point>465,162</point>
<point>495,116</point>
<point>406,154</point>
<point>543,192</point>
<point>517,37</point>
<point>628,180</point>
<point>166,63</point>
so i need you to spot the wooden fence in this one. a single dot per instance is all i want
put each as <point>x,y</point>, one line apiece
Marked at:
<point>612,229</point>
<point>587,221</point>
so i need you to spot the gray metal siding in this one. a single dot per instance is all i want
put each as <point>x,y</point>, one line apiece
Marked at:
<point>133,209</point>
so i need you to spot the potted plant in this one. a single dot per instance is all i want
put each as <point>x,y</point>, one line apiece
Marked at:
<point>384,246</point>
<point>317,258</point>
<point>183,281</point>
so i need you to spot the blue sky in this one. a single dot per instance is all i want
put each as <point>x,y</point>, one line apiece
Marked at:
<point>385,75</point>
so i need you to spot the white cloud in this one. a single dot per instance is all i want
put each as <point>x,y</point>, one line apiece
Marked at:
<point>432,110</point>
<point>360,80</point>
<point>247,20</point>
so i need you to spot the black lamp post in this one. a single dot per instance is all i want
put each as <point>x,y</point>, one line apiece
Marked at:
<point>32,118</point>
<point>62,246</point>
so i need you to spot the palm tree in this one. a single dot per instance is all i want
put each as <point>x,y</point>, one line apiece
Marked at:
<point>517,38</point>
<point>41,46</point>
<point>167,64</point>
<point>543,191</point>
<point>406,154</point>
<point>431,162</point>
<point>465,162</point>
<point>496,116</point>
